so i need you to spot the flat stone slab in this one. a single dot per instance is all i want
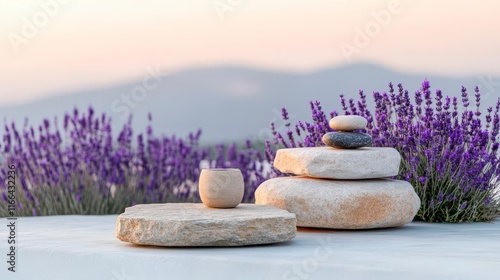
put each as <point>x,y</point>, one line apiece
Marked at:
<point>333,163</point>
<point>188,224</point>
<point>320,203</point>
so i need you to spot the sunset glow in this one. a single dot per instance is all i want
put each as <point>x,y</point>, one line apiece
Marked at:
<point>87,44</point>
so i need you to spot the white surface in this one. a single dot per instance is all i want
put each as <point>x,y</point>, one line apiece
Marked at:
<point>85,247</point>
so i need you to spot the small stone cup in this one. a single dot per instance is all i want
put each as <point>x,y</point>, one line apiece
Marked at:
<point>221,188</point>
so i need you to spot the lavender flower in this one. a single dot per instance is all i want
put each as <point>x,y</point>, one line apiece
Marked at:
<point>450,154</point>
<point>84,169</point>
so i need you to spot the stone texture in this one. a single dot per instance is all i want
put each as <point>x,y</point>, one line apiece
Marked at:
<point>336,204</point>
<point>187,224</point>
<point>332,163</point>
<point>348,123</point>
<point>347,140</point>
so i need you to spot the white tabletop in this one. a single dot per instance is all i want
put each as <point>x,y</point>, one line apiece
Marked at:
<point>85,247</point>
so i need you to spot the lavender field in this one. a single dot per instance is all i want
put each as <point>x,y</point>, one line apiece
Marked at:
<point>449,149</point>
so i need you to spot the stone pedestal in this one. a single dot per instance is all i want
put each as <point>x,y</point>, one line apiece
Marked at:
<point>187,224</point>
<point>332,163</point>
<point>320,203</point>
<point>341,188</point>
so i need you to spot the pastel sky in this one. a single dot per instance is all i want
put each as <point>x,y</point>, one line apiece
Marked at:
<point>78,44</point>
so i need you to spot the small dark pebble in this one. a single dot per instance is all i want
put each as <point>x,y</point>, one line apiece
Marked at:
<point>347,140</point>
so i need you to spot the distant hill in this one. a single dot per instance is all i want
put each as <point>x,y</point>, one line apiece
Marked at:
<point>233,103</point>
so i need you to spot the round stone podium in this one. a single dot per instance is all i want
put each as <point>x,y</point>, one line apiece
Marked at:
<point>194,224</point>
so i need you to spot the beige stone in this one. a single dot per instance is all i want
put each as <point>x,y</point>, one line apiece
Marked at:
<point>333,163</point>
<point>221,188</point>
<point>348,123</point>
<point>187,224</point>
<point>334,204</point>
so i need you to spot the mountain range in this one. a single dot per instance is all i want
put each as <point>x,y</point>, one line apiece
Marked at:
<point>231,103</point>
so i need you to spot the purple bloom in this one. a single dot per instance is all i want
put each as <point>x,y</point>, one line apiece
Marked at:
<point>92,163</point>
<point>463,205</point>
<point>447,152</point>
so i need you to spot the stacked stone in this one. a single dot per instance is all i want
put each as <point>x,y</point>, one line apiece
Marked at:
<point>343,186</point>
<point>346,137</point>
